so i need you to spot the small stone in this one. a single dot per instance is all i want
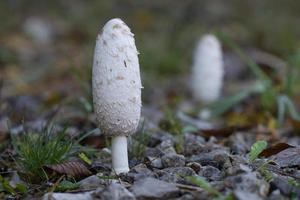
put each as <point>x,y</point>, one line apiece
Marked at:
<point>154,162</point>
<point>91,182</point>
<point>114,191</point>
<point>195,166</point>
<point>166,147</point>
<point>275,195</point>
<point>173,160</point>
<point>193,144</point>
<point>211,173</point>
<point>15,180</point>
<point>140,171</point>
<point>282,183</point>
<point>151,188</point>
<point>239,165</point>
<point>185,197</point>
<point>218,158</point>
<point>68,196</point>
<point>248,182</point>
<point>244,195</point>
<point>176,174</point>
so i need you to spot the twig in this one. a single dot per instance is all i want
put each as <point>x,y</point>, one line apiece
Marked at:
<point>276,170</point>
<point>188,187</point>
<point>56,184</point>
<point>83,190</point>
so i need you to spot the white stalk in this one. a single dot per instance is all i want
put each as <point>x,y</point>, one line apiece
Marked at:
<point>119,154</point>
<point>207,76</point>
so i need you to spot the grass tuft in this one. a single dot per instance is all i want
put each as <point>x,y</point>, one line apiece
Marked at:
<point>34,150</point>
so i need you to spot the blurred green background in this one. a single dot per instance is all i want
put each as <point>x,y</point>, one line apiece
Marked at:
<point>48,45</point>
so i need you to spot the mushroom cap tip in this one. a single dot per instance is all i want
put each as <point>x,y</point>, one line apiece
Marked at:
<point>113,23</point>
<point>210,40</point>
<point>116,26</point>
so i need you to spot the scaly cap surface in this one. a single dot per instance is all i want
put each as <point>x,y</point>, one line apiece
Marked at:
<point>116,80</point>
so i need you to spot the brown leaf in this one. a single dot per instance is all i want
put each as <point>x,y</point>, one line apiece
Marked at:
<point>75,169</point>
<point>273,150</point>
<point>222,132</point>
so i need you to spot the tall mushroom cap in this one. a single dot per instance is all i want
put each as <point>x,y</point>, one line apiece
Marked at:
<point>116,80</point>
<point>208,69</point>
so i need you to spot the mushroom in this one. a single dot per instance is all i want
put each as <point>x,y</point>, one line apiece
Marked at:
<point>207,71</point>
<point>117,88</point>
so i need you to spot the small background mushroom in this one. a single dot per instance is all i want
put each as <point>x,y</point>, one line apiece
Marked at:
<point>207,72</point>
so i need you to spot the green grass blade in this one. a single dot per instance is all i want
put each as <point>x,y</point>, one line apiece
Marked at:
<point>200,182</point>
<point>226,104</point>
<point>256,149</point>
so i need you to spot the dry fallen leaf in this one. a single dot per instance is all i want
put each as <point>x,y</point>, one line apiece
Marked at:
<point>76,169</point>
<point>274,149</point>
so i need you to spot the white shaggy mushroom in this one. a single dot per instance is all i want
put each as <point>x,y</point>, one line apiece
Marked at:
<point>207,72</point>
<point>117,88</point>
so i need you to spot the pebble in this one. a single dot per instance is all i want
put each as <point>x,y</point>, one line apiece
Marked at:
<point>114,191</point>
<point>176,174</point>
<point>91,182</point>
<point>195,166</point>
<point>248,182</point>
<point>217,158</point>
<point>151,188</point>
<point>193,144</point>
<point>245,195</point>
<point>166,147</point>
<point>286,188</point>
<point>211,173</point>
<point>154,162</point>
<point>173,160</point>
<point>68,196</point>
<point>140,171</point>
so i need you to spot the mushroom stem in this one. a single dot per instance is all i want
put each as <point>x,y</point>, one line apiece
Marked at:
<point>119,154</point>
